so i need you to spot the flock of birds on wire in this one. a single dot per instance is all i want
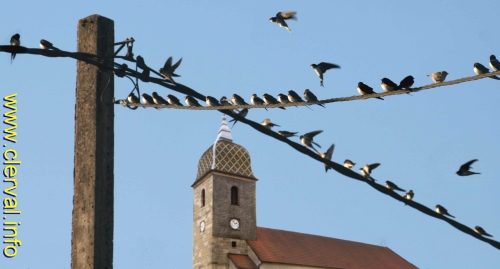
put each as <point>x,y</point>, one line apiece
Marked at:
<point>307,139</point>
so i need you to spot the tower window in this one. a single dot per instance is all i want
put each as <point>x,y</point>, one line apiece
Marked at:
<point>233,244</point>
<point>234,195</point>
<point>203,198</point>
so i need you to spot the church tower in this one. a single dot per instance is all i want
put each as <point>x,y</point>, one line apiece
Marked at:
<point>224,210</point>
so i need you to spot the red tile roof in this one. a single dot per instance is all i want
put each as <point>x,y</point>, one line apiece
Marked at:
<point>242,261</point>
<point>277,246</point>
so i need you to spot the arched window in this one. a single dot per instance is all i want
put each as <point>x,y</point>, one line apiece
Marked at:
<point>234,195</point>
<point>203,198</point>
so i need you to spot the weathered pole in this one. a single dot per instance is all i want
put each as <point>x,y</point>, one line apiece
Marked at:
<point>92,227</point>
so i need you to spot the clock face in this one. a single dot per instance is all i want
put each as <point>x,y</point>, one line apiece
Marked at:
<point>202,226</point>
<point>235,224</point>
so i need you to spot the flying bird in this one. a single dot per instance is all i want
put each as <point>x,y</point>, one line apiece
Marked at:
<point>255,100</point>
<point>168,69</point>
<point>147,99</point>
<point>442,211</point>
<point>243,113</point>
<point>407,82</point>
<point>225,102</point>
<point>481,231</point>
<point>348,164</point>
<point>270,100</point>
<point>133,99</point>
<point>310,97</point>
<point>15,40</point>
<point>190,101</point>
<point>481,69</point>
<point>364,89</point>
<point>391,186</point>
<point>327,155</point>
<point>388,85</point>
<point>409,195</point>
<point>281,17</point>
<point>46,45</point>
<point>494,63</point>
<point>238,100</point>
<point>268,124</point>
<point>307,139</point>
<point>157,99</point>
<point>287,134</point>
<point>464,169</point>
<point>321,68</point>
<point>172,100</point>
<point>211,101</point>
<point>367,170</point>
<point>438,76</point>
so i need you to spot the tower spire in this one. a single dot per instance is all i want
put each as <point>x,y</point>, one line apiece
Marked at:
<point>224,132</point>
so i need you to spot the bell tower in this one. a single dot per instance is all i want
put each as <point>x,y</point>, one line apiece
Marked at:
<point>224,209</point>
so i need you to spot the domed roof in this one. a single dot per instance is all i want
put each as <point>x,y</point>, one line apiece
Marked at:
<point>225,156</point>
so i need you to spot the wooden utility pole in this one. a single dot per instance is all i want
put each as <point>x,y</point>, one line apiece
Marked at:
<point>92,227</point>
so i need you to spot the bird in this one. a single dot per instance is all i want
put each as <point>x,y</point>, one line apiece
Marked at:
<point>442,211</point>
<point>168,69</point>
<point>15,40</point>
<point>159,100</point>
<point>281,17</point>
<point>293,97</point>
<point>307,139</point>
<point>287,134</point>
<point>407,82</point>
<point>327,155</point>
<point>409,195</point>
<point>147,99</point>
<point>255,100</point>
<point>310,97</point>
<point>481,69</point>
<point>243,113</point>
<point>225,102</point>
<point>238,100</point>
<point>321,68</point>
<point>391,186</point>
<point>268,124</point>
<point>364,89</point>
<point>211,101</point>
<point>367,170</point>
<point>172,100</point>
<point>46,45</point>
<point>494,63</point>
<point>120,71</point>
<point>133,99</point>
<point>464,169</point>
<point>348,164</point>
<point>190,101</point>
<point>141,63</point>
<point>481,231</point>
<point>283,99</point>
<point>438,76</point>
<point>270,100</point>
<point>388,85</point>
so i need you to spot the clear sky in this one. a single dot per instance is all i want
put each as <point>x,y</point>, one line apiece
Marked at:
<point>231,47</point>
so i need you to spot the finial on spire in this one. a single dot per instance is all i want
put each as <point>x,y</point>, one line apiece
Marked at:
<point>224,131</point>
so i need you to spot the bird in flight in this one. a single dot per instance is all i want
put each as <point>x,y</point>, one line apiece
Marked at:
<point>464,169</point>
<point>281,18</point>
<point>321,68</point>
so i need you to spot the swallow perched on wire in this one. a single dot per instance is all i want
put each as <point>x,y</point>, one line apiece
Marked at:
<point>15,40</point>
<point>120,71</point>
<point>391,186</point>
<point>348,164</point>
<point>168,69</point>
<point>409,195</point>
<point>407,82</point>
<point>367,170</point>
<point>157,99</point>
<point>364,89</point>
<point>147,99</point>
<point>293,97</point>
<point>481,231</point>
<point>494,63</point>
<point>238,100</point>
<point>321,68</point>
<point>464,169</point>
<point>131,98</point>
<point>270,100</point>
<point>46,45</point>
<point>438,76</point>
<point>307,139</point>
<point>310,97</point>
<point>172,100</point>
<point>268,124</point>
<point>243,113</point>
<point>255,100</point>
<point>327,155</point>
<point>442,211</point>
<point>281,17</point>
<point>287,134</point>
<point>190,101</point>
<point>481,69</point>
<point>211,101</point>
<point>388,85</point>
<point>141,63</point>
<point>225,102</point>
<point>283,99</point>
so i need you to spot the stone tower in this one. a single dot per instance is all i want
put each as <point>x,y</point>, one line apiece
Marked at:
<point>224,210</point>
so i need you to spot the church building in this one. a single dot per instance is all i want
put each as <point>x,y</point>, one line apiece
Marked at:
<point>225,231</point>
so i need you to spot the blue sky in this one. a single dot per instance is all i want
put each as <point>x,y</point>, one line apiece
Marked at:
<point>231,47</point>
